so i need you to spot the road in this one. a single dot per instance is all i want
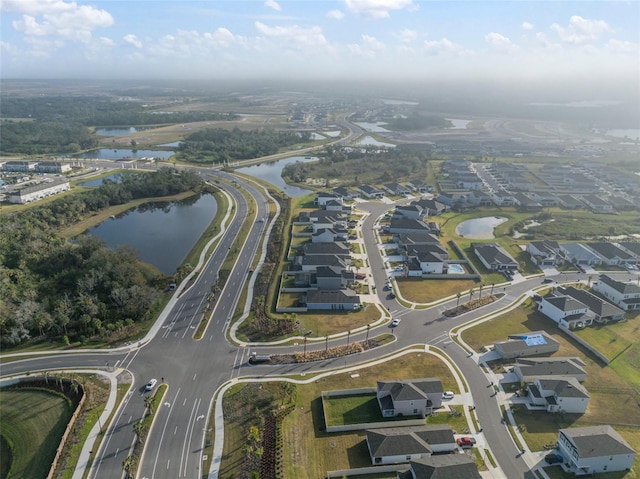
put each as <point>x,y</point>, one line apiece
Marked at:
<point>194,370</point>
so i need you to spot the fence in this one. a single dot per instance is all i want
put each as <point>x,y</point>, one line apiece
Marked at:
<point>368,470</point>
<point>574,336</point>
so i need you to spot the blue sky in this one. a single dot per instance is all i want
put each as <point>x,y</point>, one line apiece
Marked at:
<point>319,39</point>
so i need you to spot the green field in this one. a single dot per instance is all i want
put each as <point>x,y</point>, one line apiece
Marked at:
<point>33,422</point>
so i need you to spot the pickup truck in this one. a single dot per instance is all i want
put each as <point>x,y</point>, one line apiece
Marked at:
<point>466,442</point>
<point>553,458</point>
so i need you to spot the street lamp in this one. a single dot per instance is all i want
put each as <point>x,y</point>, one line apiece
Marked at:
<point>348,336</point>
<point>367,338</point>
<point>304,354</point>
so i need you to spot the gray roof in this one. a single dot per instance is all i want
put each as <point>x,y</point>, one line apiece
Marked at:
<point>564,303</point>
<point>551,366</point>
<point>344,296</point>
<point>493,253</point>
<point>394,441</point>
<point>417,238</point>
<point>411,388</point>
<point>594,441</point>
<point>602,308</point>
<point>624,288</point>
<point>580,252</point>
<point>401,223</point>
<point>337,247</point>
<point>448,466</point>
<point>565,388</point>
<point>633,247</point>
<point>609,250</point>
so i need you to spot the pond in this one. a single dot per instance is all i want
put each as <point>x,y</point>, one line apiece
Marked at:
<point>479,228</point>
<point>370,141</point>
<point>458,124</point>
<point>272,172</point>
<point>372,127</point>
<point>98,181</point>
<point>118,131</point>
<point>162,233</point>
<point>125,154</point>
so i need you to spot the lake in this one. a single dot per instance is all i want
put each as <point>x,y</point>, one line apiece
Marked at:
<point>98,181</point>
<point>125,154</point>
<point>372,127</point>
<point>458,124</point>
<point>162,233</point>
<point>370,141</point>
<point>272,172</point>
<point>479,228</point>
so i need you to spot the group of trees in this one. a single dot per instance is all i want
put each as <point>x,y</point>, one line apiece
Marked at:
<point>369,164</point>
<point>47,137</point>
<point>219,145</point>
<point>54,289</point>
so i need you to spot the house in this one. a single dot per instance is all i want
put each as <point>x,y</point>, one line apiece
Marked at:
<point>577,253</point>
<point>624,295</point>
<point>432,207</point>
<point>396,189</point>
<point>336,205</point>
<point>420,186</point>
<point>558,395</point>
<point>327,219</point>
<point>570,202</point>
<point>494,257</point>
<point>597,204</point>
<point>479,198</point>
<point>411,397</point>
<point>503,198</point>
<point>344,193</point>
<point>337,248</point>
<point>611,255</point>
<point>535,343</point>
<point>452,199</point>
<point>632,248</point>
<point>339,300</point>
<point>594,449</point>
<point>404,241</point>
<point>527,369</point>
<point>370,192</point>
<point>527,204</point>
<point>620,203</point>
<point>565,310</point>
<point>333,278</point>
<point>310,262</point>
<point>448,466</point>
<point>328,235</point>
<point>604,311</point>
<point>430,263</point>
<point>394,445</point>
<point>402,225</point>
<point>40,191</point>
<point>545,252</point>
<point>18,166</point>
<point>411,212</point>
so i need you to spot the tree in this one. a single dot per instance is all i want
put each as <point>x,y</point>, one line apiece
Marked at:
<point>138,429</point>
<point>458,295</point>
<point>471,291</point>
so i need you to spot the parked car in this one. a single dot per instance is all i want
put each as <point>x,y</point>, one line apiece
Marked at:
<point>151,384</point>
<point>466,442</point>
<point>391,296</point>
<point>395,322</point>
<point>553,458</point>
<point>547,280</point>
<point>447,395</point>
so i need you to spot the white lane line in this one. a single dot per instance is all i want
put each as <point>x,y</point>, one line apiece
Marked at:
<point>184,443</point>
<point>164,428</point>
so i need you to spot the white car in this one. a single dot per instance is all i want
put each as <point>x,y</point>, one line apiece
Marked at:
<point>151,384</point>
<point>395,322</point>
<point>447,395</point>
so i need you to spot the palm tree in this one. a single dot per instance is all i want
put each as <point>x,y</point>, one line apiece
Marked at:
<point>138,429</point>
<point>458,295</point>
<point>492,285</point>
<point>148,403</point>
<point>480,296</point>
<point>471,291</point>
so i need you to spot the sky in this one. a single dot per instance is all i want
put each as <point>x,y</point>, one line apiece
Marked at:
<point>308,39</point>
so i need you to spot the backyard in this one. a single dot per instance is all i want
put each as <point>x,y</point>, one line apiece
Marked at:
<point>614,390</point>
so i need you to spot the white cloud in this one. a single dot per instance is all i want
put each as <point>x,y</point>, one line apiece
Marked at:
<point>131,39</point>
<point>544,41</point>
<point>376,8</point>
<point>273,4</point>
<point>527,26</point>
<point>498,41</point>
<point>312,36</point>
<point>335,14</point>
<point>407,36</point>
<point>105,42</point>
<point>581,30</point>
<point>368,48</point>
<point>444,45</point>
<point>623,46</point>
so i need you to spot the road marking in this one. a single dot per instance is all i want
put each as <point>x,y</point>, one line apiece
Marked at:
<point>190,425</point>
<point>194,376</point>
<point>116,454</point>
<point>168,462</point>
<point>175,431</point>
<point>155,462</point>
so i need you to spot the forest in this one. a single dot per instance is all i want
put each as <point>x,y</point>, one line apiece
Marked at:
<point>44,138</point>
<point>220,145</point>
<point>354,166</point>
<point>79,290</point>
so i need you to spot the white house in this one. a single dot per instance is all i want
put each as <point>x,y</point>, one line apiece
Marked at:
<point>559,395</point>
<point>594,449</point>
<point>566,310</point>
<point>545,252</point>
<point>624,295</point>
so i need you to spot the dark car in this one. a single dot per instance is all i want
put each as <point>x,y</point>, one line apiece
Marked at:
<point>391,296</point>
<point>553,458</point>
<point>547,280</point>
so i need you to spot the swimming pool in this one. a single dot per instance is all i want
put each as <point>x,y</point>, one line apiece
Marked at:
<point>455,269</point>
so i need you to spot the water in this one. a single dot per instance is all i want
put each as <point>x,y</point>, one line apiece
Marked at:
<point>98,181</point>
<point>117,131</point>
<point>162,233</point>
<point>458,124</point>
<point>630,133</point>
<point>370,141</point>
<point>372,127</point>
<point>125,154</point>
<point>317,136</point>
<point>333,134</point>
<point>272,172</point>
<point>455,269</point>
<point>173,144</point>
<point>399,102</point>
<point>479,228</point>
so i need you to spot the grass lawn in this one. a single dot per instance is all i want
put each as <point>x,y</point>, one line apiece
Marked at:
<point>338,321</point>
<point>426,290</point>
<point>614,389</point>
<point>33,422</point>
<point>354,409</point>
<point>308,448</point>
<point>288,300</point>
